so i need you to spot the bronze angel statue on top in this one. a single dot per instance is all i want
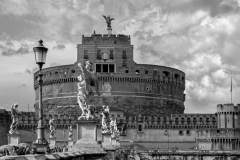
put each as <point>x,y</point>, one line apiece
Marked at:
<point>108,20</point>
<point>14,113</point>
<point>87,80</point>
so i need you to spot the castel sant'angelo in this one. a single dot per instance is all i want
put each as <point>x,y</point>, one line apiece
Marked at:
<point>147,102</point>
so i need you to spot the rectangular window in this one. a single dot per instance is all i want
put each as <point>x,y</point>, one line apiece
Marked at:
<point>111,56</point>
<point>111,68</point>
<point>155,72</point>
<point>181,133</point>
<point>98,68</point>
<point>105,68</point>
<point>139,127</point>
<point>99,54</point>
<point>124,55</point>
<point>182,121</point>
<point>188,121</point>
<point>188,132</point>
<point>124,64</point>
<point>85,56</point>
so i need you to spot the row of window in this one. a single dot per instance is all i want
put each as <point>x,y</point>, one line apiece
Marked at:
<point>104,55</point>
<point>105,68</point>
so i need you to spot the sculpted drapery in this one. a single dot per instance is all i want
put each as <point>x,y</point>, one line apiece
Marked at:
<point>87,80</point>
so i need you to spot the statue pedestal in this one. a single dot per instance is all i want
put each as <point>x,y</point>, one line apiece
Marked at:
<point>106,140</point>
<point>117,142</point>
<point>14,139</point>
<point>113,141</point>
<point>70,142</point>
<point>109,29</point>
<point>52,142</point>
<point>87,137</point>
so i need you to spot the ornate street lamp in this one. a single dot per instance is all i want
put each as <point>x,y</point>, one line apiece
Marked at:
<point>40,56</point>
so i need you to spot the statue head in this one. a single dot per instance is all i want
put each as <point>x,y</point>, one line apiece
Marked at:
<point>15,105</point>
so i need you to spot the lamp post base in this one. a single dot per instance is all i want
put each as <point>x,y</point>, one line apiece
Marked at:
<point>40,147</point>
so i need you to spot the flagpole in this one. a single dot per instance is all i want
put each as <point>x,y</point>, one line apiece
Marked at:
<point>231,89</point>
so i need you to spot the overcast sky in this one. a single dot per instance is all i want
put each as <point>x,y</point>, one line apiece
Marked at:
<point>199,37</point>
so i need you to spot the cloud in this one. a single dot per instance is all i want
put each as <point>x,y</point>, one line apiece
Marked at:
<point>200,38</point>
<point>9,50</point>
<point>54,64</point>
<point>22,86</point>
<point>28,71</point>
<point>59,47</point>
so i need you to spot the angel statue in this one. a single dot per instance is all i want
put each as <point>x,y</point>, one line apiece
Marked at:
<point>105,120</point>
<point>70,129</point>
<point>87,79</point>
<point>52,127</point>
<point>115,132</point>
<point>108,20</point>
<point>14,113</point>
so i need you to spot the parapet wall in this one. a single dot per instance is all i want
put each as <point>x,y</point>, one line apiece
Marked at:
<point>106,39</point>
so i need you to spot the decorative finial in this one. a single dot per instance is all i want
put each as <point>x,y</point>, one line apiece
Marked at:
<point>40,42</point>
<point>94,32</point>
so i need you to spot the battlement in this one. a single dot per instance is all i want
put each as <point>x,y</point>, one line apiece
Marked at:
<point>112,39</point>
<point>228,108</point>
<point>176,119</point>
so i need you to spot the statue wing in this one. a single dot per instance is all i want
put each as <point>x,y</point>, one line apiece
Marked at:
<point>104,16</point>
<point>12,110</point>
<point>112,19</point>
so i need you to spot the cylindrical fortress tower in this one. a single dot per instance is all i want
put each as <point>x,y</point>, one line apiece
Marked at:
<point>150,90</point>
<point>228,116</point>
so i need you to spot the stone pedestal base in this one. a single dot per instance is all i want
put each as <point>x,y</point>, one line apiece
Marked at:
<point>40,148</point>
<point>117,143</point>
<point>106,139</point>
<point>52,142</point>
<point>87,130</point>
<point>14,139</point>
<point>113,141</point>
<point>87,137</point>
<point>109,29</point>
<point>107,142</point>
<point>70,142</point>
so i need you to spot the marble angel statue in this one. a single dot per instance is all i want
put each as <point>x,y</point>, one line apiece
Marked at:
<point>87,80</point>
<point>52,127</point>
<point>105,120</point>
<point>14,113</point>
<point>70,130</point>
<point>114,130</point>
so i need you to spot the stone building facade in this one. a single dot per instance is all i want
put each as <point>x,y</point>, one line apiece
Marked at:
<point>146,100</point>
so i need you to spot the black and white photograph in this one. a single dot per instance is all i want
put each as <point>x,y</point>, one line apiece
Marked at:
<point>120,79</point>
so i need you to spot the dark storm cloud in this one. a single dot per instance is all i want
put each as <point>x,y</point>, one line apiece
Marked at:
<point>20,27</point>
<point>9,43</point>
<point>59,47</point>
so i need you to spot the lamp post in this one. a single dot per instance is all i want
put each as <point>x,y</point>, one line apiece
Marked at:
<point>64,138</point>
<point>40,56</point>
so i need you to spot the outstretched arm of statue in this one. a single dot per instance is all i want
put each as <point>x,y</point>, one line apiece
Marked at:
<point>18,112</point>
